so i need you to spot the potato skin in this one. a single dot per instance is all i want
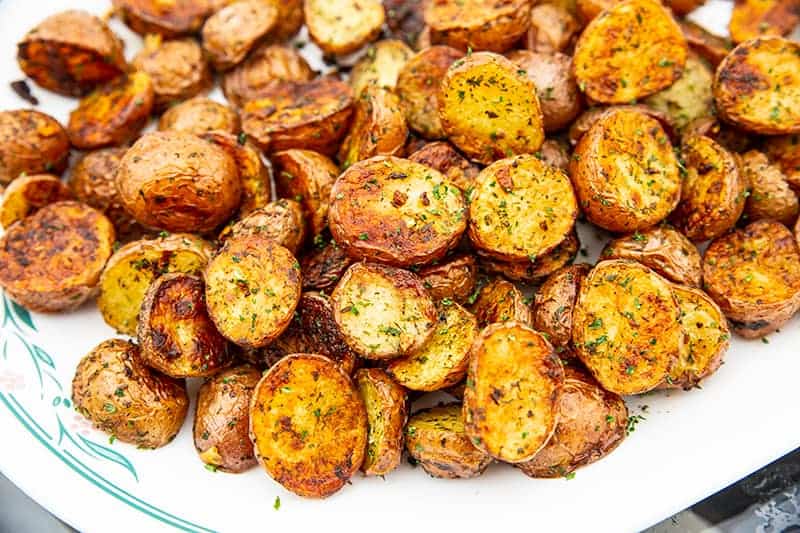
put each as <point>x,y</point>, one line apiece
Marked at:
<point>378,127</point>
<point>199,115</point>
<point>222,419</point>
<point>70,53</point>
<point>290,19</point>
<point>554,303</point>
<point>51,261</point>
<point>690,97</point>
<point>308,177</point>
<point>442,156</point>
<point>380,66</point>
<point>179,17</point>
<point>770,195</point>
<point>453,278</point>
<point>26,194</point>
<point>122,397</point>
<point>230,33</point>
<point>280,221</point>
<point>308,425</point>
<point>588,118</point>
<point>478,24</point>
<point>534,271</point>
<point>385,402</point>
<point>31,142</point>
<point>343,26</point>
<point>756,18</point>
<point>405,21</point>
<point>553,29</point>
<point>500,301</point>
<point>323,267</point>
<point>710,47</point>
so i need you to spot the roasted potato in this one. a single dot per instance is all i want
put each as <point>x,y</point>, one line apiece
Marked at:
<point>308,425</point>
<point>230,33</point>
<point>307,177</point>
<point>625,326</point>
<point>290,19</point>
<point>757,85</point>
<point>729,137</point>
<point>478,24</point>
<point>169,19</point>
<point>380,66</point>
<point>587,10</point>
<point>405,21</point>
<point>454,278</point>
<point>689,97</point>
<point>591,425</point>
<point>395,211</point>
<point>662,248</point>
<point>343,26</point>
<point>513,393</point>
<point>252,290</point>
<point>134,266</point>
<point>587,119</point>
<point>534,271</point>
<point>784,151</point>
<point>313,115</point>
<point>31,143</point>
<point>443,157</point>
<point>253,173</point>
<point>178,182</point>
<point>51,261</point>
<point>753,274</point>
<point>710,47</point>
<point>436,441</point>
<point>554,302</point>
<point>176,335</point>
<point>378,127</point>
<point>27,194</point>
<point>112,114</point>
<point>751,19</point>
<point>500,301</point>
<point>555,153</point>
<point>323,267</point>
<point>122,397</point>
<point>770,195</point>
<point>418,88</point>
<point>714,190</point>
<point>385,402</point>
<point>553,29</point>
<point>200,115</point>
<point>683,7</point>
<point>624,171</point>
<point>280,221</point>
<point>489,109</point>
<point>632,50</point>
<point>71,53</point>
<point>222,419</point>
<point>398,313</point>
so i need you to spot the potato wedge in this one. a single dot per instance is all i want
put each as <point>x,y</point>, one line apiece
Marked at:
<point>385,402</point>
<point>230,33</point>
<point>172,19</point>
<point>308,425</point>
<point>690,97</point>
<point>31,143</point>
<point>27,194</point>
<point>770,195</point>
<point>710,47</point>
<point>307,177</point>
<point>378,127</point>
<point>200,115</point>
<point>443,157</point>
<point>477,24</point>
<point>343,26</point>
<point>554,302</point>
<point>324,266</point>
<point>553,29</point>
<point>454,278</point>
<point>534,271</point>
<point>632,50</point>
<point>751,19</point>
<point>398,313</point>
<point>500,301</point>
<point>753,274</point>
<point>380,66</point>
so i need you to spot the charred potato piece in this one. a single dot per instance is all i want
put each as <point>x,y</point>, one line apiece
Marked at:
<point>71,53</point>
<point>324,266</point>
<point>553,29</point>
<point>478,24</point>
<point>625,172</point>
<point>343,26</point>
<point>758,84</point>
<point>405,21</point>
<point>176,335</point>
<point>753,275</point>
<point>253,173</point>
<point>199,115</point>
<point>454,278</point>
<point>710,47</point>
<point>222,419</point>
<point>31,143</point>
<point>443,157</point>
<point>689,97</point>
<point>178,182</point>
<point>380,66</point>
<point>395,211</point>
<point>625,326</point>
<point>385,402</point>
<point>554,303</point>
<point>630,51</point>
<point>591,425</point>
<point>27,194</point>
<point>169,19</point>
<point>785,152</point>
<point>398,313</point>
<point>514,383</point>
<point>235,29</point>
<point>307,177</point>
<point>378,127</point>
<point>119,395</point>
<point>751,19</point>
<point>533,271</point>
<point>280,221</point>
<point>436,440</point>
<point>500,301</point>
<point>499,116</point>
<point>770,195</point>
<point>51,261</point>
<point>308,425</point>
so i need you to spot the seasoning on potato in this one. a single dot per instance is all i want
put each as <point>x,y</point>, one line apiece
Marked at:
<point>254,175</point>
<point>528,271</point>
<point>343,26</point>
<point>27,194</point>
<point>380,66</point>
<point>280,221</point>
<point>171,19</point>
<point>761,18</point>
<point>454,277</point>
<point>324,266</point>
<point>230,33</point>
<point>770,196</point>
<point>378,127</point>
<point>443,157</point>
<point>689,97</point>
<point>200,115</point>
<point>554,302</point>
<point>500,301</point>
<point>306,176</point>
<point>31,142</point>
<point>477,24</point>
<point>385,402</point>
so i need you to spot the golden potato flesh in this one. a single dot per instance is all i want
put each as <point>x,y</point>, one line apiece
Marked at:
<point>380,66</point>
<point>378,128</point>
<point>443,157</point>
<point>199,115</point>
<point>690,97</point>
<point>770,195</point>
<point>478,24</point>
<point>761,18</point>
<point>253,173</point>
<point>554,302</point>
<point>26,194</point>
<point>232,31</point>
<point>307,177</point>
<point>323,266</point>
<point>528,271</point>
<point>31,143</point>
<point>343,26</point>
<point>177,69</point>
<point>454,278</point>
<point>625,326</point>
<point>630,51</point>
<point>500,301</point>
<point>385,402</point>
<point>172,18</point>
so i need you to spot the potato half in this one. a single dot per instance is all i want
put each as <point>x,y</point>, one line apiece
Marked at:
<point>380,66</point>
<point>454,278</point>
<point>534,271</point>
<point>500,301</point>
<point>554,302</point>
<point>230,33</point>
<point>770,197</point>
<point>280,221</point>
<point>31,143</point>
<point>378,127</point>
<point>385,402</point>
<point>173,19</point>
<point>324,266</point>
<point>307,177</point>
<point>478,24</point>
<point>200,115</point>
<point>761,18</point>
<point>27,194</point>
<point>690,97</point>
<point>443,157</point>
<point>784,151</point>
<point>343,26</point>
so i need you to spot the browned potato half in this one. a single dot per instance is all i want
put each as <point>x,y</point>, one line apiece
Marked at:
<point>554,303</point>
<point>630,51</point>
<point>753,274</point>
<point>500,301</point>
<point>112,114</point>
<point>555,153</point>
<point>170,19</point>
<point>178,182</point>
<point>770,194</point>
<point>784,151</point>
<point>290,19</point>
<point>308,425</point>
<point>222,419</point>
<point>751,19</point>
<point>454,278</point>
<point>521,209</point>
<point>252,290</point>
<point>31,143</point>
<point>512,398</point>
<point>122,397</point>
<point>625,326</point>
<point>418,88</point>
<point>307,177</point>
<point>553,29</point>
<point>489,109</point>
<point>757,86</point>
<point>235,29</point>
<point>199,115</point>
<point>253,173</point>
<point>689,97</point>
<point>587,119</point>
<point>312,116</point>
<point>443,157</point>
<point>134,266</point>
<point>385,402</point>
<point>533,271</point>
<point>714,190</point>
<point>662,248</point>
<point>343,26</point>
<point>395,211</point>
<point>591,425</point>
<point>404,20</point>
<point>383,312</point>
<point>436,441</point>
<point>378,128</point>
<point>324,266</point>
<point>176,335</point>
<point>27,194</point>
<point>710,47</point>
<point>625,172</point>
<point>478,24</point>
<point>442,361</point>
<point>70,53</point>
<point>51,261</point>
<point>380,66</point>
<point>280,221</point>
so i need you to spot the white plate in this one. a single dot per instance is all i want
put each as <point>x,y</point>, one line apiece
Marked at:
<point>690,445</point>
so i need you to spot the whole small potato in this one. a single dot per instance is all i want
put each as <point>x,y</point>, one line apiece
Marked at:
<point>200,115</point>
<point>31,143</point>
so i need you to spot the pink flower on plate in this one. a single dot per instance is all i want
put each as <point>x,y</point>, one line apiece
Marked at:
<point>80,424</point>
<point>11,381</point>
